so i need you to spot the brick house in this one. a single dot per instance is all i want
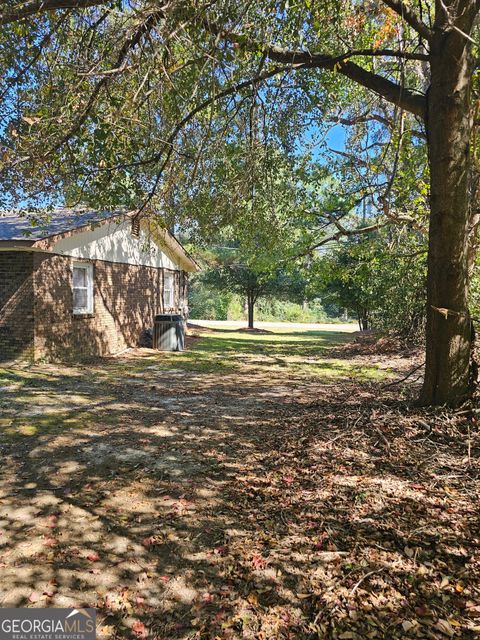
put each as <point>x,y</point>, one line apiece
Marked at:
<point>85,283</point>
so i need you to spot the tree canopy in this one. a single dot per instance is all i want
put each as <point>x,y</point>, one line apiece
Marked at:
<point>380,279</point>
<point>134,102</point>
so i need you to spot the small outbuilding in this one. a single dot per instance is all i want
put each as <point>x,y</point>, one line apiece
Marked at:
<point>85,283</point>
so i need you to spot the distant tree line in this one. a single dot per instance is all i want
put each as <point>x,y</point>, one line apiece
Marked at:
<point>378,279</point>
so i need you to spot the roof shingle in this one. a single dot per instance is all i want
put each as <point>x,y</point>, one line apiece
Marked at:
<point>38,226</point>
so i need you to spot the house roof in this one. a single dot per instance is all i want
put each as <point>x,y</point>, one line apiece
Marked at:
<point>29,229</point>
<point>33,226</point>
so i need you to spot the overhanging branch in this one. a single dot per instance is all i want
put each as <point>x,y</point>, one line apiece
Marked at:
<point>343,232</point>
<point>26,9</point>
<point>168,147</point>
<point>391,91</point>
<point>142,30</point>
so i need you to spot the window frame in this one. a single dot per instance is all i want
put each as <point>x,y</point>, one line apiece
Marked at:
<point>88,268</point>
<point>171,289</point>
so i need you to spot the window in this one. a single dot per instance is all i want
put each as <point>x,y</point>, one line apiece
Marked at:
<point>82,287</point>
<point>168,285</point>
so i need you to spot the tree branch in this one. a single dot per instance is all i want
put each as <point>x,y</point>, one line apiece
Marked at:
<point>26,9</point>
<point>40,47</point>
<point>369,117</point>
<point>168,147</point>
<point>391,91</point>
<point>410,18</point>
<point>343,232</point>
<point>140,32</point>
<point>383,53</point>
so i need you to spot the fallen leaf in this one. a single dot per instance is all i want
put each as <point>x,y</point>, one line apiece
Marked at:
<point>258,561</point>
<point>473,609</point>
<point>149,542</point>
<point>207,597</point>
<point>222,551</point>
<point>139,629</point>
<point>408,624</point>
<point>50,542</point>
<point>444,627</point>
<point>52,521</point>
<point>107,630</point>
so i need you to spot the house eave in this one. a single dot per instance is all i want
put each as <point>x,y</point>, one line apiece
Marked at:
<point>21,245</point>
<point>176,248</point>
<point>48,242</point>
<point>162,236</point>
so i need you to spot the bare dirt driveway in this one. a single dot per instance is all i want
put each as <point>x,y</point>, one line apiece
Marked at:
<point>264,485</point>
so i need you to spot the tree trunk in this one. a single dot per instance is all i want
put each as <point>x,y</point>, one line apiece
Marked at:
<point>362,316</point>
<point>449,336</point>
<point>251,306</point>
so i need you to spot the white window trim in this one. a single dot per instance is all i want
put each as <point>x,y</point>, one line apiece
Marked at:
<point>89,273</point>
<point>169,304</point>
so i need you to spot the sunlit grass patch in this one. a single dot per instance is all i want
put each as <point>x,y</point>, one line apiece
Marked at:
<point>44,425</point>
<point>49,399</point>
<point>12,378</point>
<point>302,353</point>
<point>339,369</point>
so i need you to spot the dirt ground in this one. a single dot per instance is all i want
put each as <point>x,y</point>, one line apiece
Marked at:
<point>255,486</point>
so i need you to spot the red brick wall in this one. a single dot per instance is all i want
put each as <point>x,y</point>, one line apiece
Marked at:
<point>16,305</point>
<point>126,297</point>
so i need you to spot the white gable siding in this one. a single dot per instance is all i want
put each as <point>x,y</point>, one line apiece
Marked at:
<point>113,242</point>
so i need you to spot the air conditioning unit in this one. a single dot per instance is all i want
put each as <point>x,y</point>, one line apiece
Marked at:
<point>169,332</point>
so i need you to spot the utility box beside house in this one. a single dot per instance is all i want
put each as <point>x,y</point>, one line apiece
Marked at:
<point>169,332</point>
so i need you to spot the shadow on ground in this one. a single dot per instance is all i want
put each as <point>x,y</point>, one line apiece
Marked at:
<point>221,494</point>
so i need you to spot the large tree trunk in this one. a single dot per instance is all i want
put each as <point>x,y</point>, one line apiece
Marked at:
<point>449,336</point>
<point>251,306</point>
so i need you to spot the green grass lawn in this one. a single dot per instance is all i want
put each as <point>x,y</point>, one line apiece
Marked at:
<point>33,399</point>
<point>302,353</point>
